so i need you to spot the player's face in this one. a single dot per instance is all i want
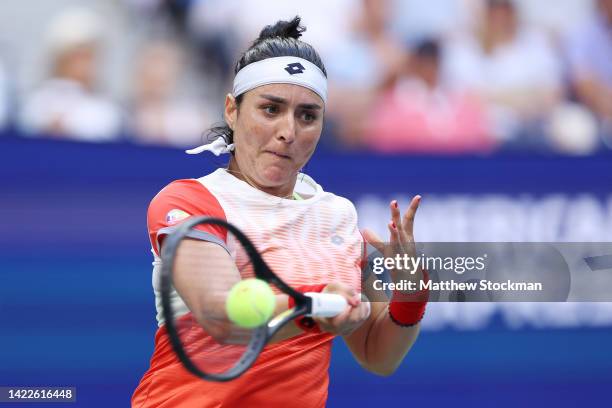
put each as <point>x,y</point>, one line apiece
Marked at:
<point>276,129</point>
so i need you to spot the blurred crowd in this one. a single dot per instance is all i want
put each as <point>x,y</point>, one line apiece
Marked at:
<point>437,76</point>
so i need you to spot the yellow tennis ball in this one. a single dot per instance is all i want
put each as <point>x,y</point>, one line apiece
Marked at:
<point>250,303</point>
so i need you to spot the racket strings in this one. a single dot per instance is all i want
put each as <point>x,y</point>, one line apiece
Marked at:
<point>211,341</point>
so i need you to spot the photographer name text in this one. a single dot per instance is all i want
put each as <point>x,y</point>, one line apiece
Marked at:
<point>451,285</point>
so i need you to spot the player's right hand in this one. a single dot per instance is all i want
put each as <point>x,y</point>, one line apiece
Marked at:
<point>356,312</point>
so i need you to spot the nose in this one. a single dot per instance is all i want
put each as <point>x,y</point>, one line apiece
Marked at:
<point>287,129</point>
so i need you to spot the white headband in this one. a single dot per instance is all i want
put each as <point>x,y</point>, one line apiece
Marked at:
<point>277,70</point>
<point>281,70</point>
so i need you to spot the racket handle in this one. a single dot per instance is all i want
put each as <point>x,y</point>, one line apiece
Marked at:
<point>326,304</point>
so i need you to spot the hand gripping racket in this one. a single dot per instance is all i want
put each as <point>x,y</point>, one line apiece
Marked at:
<point>226,358</point>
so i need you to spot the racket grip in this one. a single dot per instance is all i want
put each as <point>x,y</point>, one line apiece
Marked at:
<point>326,304</point>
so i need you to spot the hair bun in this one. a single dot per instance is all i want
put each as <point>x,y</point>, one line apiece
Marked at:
<point>284,29</point>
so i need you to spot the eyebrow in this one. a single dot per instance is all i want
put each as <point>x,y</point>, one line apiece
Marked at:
<point>277,99</point>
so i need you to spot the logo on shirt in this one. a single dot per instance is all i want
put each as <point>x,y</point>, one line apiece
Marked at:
<point>175,216</point>
<point>337,239</point>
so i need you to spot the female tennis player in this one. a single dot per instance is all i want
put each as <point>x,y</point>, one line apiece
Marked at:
<point>309,237</point>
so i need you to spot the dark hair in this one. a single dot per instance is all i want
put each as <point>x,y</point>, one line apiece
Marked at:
<point>427,48</point>
<point>278,40</point>
<point>501,3</point>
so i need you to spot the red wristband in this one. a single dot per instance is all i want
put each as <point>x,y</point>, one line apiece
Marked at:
<point>407,309</point>
<point>307,324</point>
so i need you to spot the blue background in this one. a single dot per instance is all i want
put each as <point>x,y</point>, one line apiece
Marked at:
<point>76,305</point>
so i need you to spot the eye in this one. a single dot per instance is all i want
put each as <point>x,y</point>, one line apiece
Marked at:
<point>308,116</point>
<point>270,109</point>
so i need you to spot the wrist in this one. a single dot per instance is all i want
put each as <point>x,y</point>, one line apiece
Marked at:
<point>408,309</point>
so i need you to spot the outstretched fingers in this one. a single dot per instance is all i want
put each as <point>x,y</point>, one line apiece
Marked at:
<point>408,219</point>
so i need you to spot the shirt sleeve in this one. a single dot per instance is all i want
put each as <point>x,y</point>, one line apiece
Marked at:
<point>177,202</point>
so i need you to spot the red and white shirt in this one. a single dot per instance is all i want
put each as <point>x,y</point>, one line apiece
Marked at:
<point>309,241</point>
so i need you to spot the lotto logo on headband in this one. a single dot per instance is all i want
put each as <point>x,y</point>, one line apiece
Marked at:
<point>295,68</point>
<point>270,71</point>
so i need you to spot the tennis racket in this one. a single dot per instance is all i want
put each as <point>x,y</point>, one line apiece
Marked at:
<point>226,357</point>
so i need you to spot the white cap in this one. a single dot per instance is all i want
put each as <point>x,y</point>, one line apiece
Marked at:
<point>72,28</point>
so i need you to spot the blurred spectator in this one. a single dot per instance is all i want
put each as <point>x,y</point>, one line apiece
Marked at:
<point>572,129</point>
<point>495,72</point>
<point>589,50</point>
<point>359,67</point>
<point>413,20</point>
<point>165,14</point>
<point>511,65</point>
<point>67,104</point>
<point>419,114</point>
<point>556,17</point>
<point>159,115</point>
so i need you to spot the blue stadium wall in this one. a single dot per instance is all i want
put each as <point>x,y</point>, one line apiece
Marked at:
<point>76,306</point>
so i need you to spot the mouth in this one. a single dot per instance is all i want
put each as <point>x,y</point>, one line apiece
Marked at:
<point>278,154</point>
